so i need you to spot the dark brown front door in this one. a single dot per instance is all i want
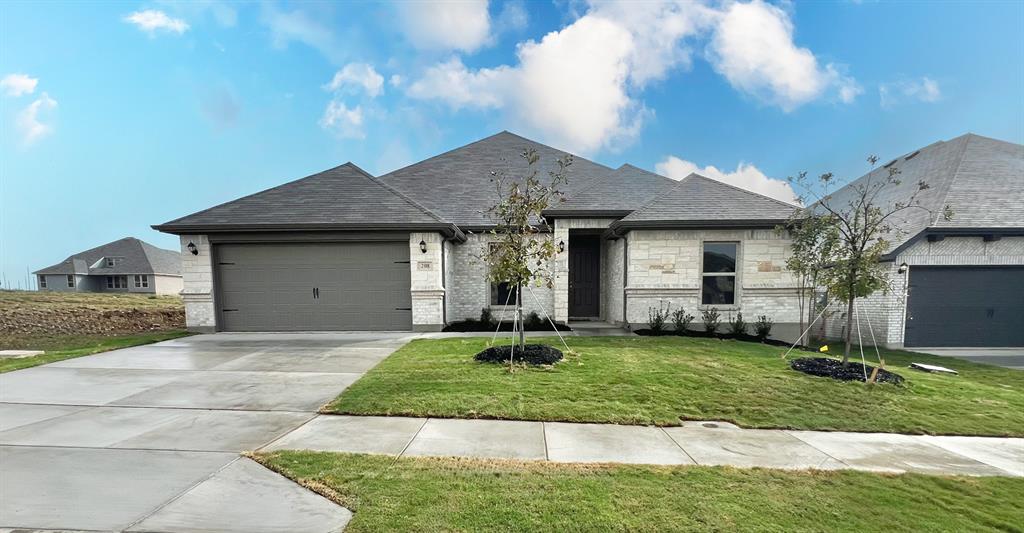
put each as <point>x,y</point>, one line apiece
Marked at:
<point>584,276</point>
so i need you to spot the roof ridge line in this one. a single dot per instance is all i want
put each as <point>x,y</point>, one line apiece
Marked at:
<point>408,200</point>
<point>776,200</point>
<point>678,183</point>
<point>953,175</point>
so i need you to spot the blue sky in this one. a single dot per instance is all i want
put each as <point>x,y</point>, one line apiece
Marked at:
<point>116,116</point>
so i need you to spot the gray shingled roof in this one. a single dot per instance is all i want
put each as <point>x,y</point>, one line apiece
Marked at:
<point>700,201</point>
<point>982,179</point>
<point>344,197</point>
<point>134,257</point>
<point>457,184</point>
<point>619,192</point>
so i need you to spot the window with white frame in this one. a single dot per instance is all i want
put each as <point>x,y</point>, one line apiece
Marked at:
<point>71,281</point>
<point>111,261</point>
<point>141,281</point>
<point>42,282</point>
<point>117,282</point>
<point>718,275</point>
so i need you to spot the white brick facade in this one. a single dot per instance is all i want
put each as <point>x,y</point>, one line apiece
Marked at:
<point>428,291</point>
<point>883,313</point>
<point>470,291</point>
<point>197,279</point>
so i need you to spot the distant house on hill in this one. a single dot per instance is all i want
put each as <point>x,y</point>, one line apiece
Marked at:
<point>125,265</point>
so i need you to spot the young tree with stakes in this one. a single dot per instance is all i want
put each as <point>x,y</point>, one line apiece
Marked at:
<point>854,234</point>
<point>515,256</point>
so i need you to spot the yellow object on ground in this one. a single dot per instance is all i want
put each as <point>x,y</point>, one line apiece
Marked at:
<point>823,348</point>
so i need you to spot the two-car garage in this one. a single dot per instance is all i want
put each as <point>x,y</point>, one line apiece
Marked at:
<point>952,306</point>
<point>316,286</point>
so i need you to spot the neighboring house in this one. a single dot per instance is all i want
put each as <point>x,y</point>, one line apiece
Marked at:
<point>955,283</point>
<point>125,265</point>
<point>344,250</point>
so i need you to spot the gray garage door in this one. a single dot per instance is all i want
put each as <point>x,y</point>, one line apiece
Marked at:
<point>965,306</point>
<point>314,287</point>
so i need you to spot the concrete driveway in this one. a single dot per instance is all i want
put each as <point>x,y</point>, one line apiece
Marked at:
<point>147,438</point>
<point>1004,357</point>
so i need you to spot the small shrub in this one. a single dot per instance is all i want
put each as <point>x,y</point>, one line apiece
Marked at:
<point>738,326</point>
<point>763,327</point>
<point>486,318</point>
<point>681,320</point>
<point>533,321</point>
<point>656,318</point>
<point>711,319</point>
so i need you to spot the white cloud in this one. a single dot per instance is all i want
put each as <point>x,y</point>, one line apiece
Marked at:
<point>560,88</point>
<point>447,24</point>
<point>581,86</point>
<point>459,87</point>
<point>746,176</point>
<point>345,122</point>
<point>151,20</point>
<point>29,119</point>
<point>18,84</point>
<point>297,25</point>
<point>923,90</point>
<point>360,75</point>
<point>395,80</point>
<point>513,16</point>
<point>753,48</point>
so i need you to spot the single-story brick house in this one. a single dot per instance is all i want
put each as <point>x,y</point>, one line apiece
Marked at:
<point>957,282</point>
<point>124,265</point>
<point>345,250</point>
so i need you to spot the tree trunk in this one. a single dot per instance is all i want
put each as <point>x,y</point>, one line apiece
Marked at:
<point>519,311</point>
<point>849,330</point>
<point>803,294</point>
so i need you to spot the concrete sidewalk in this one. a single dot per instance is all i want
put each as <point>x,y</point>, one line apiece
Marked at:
<point>702,443</point>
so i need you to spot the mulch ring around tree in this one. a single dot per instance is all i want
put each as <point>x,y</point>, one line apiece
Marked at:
<point>535,354</point>
<point>832,368</point>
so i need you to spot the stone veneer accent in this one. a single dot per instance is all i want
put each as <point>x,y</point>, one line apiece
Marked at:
<point>884,311</point>
<point>197,281</point>
<point>664,269</point>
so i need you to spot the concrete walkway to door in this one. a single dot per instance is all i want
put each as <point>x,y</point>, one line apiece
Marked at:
<point>148,438</point>
<point>703,443</point>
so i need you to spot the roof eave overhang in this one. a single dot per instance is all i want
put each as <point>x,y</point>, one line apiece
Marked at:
<point>621,227</point>
<point>953,232</point>
<point>450,231</point>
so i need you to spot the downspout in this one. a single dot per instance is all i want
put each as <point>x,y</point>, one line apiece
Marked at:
<point>625,279</point>
<point>444,297</point>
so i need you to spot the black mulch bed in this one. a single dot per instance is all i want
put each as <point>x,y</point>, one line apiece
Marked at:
<point>475,325</point>
<point>831,368</point>
<point>706,335</point>
<point>535,354</point>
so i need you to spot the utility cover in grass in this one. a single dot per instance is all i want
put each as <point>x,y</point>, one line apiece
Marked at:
<point>832,368</point>
<point>535,354</point>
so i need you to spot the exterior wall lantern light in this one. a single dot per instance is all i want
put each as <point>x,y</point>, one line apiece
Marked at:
<point>561,246</point>
<point>423,246</point>
<point>903,268</point>
<point>192,248</point>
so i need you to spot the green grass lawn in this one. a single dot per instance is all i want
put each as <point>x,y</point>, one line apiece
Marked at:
<point>438,494</point>
<point>60,347</point>
<point>663,380</point>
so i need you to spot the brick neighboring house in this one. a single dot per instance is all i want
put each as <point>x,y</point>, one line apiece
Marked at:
<point>955,283</point>
<point>125,265</point>
<point>344,250</point>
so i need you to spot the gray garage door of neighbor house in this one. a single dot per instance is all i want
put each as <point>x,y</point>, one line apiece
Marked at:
<point>314,286</point>
<point>965,306</point>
